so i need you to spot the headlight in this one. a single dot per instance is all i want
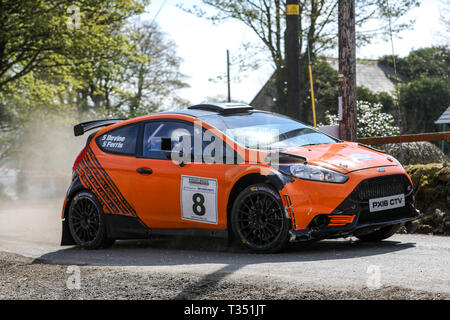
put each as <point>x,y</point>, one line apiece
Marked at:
<point>315,173</point>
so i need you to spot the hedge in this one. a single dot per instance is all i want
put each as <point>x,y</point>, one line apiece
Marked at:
<point>432,194</point>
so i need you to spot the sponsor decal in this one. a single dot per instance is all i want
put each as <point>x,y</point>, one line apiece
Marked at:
<point>361,157</point>
<point>113,141</point>
<point>96,179</point>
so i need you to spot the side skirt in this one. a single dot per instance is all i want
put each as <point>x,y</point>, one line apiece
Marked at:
<point>121,227</point>
<point>191,233</point>
<point>125,227</point>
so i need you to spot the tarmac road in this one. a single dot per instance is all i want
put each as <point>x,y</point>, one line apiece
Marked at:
<point>34,266</point>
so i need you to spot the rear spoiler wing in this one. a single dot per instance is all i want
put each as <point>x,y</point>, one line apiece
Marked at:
<point>81,128</point>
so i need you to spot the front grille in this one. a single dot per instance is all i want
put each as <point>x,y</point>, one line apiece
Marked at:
<point>382,187</point>
<point>367,217</point>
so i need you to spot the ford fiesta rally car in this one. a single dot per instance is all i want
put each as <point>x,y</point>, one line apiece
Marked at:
<point>228,170</point>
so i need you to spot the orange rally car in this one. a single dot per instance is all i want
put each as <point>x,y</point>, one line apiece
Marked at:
<point>228,170</point>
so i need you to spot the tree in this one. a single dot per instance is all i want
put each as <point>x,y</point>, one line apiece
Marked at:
<point>61,41</point>
<point>422,101</point>
<point>56,33</point>
<point>424,89</point>
<point>142,80</point>
<point>430,62</point>
<point>325,90</point>
<point>137,74</point>
<point>155,78</point>
<point>44,46</point>
<point>318,29</point>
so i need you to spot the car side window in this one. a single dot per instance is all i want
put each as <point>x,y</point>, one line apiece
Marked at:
<point>119,141</point>
<point>161,137</point>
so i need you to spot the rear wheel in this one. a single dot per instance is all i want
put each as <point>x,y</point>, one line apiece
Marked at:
<point>380,234</point>
<point>87,222</point>
<point>258,220</point>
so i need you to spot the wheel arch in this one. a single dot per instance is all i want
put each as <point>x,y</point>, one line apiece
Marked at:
<point>75,188</point>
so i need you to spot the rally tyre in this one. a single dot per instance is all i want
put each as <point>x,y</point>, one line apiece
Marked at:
<point>380,234</point>
<point>87,222</point>
<point>258,219</point>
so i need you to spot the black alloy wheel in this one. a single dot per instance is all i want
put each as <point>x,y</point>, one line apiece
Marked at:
<point>258,219</point>
<point>86,222</point>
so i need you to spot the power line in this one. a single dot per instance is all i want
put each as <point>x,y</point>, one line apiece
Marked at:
<point>400,124</point>
<point>159,10</point>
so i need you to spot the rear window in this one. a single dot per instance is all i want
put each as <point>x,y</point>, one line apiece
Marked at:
<point>120,141</point>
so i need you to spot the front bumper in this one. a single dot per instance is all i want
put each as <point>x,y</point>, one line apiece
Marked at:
<point>356,229</point>
<point>353,217</point>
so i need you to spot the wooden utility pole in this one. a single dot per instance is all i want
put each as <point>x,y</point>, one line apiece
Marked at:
<point>347,70</point>
<point>293,58</point>
<point>228,76</point>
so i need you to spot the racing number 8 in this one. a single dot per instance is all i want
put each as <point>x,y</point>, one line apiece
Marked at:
<point>198,207</point>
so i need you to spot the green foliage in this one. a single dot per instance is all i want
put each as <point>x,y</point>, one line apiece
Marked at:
<point>430,185</point>
<point>383,98</point>
<point>423,101</point>
<point>325,89</point>
<point>429,62</point>
<point>424,88</point>
<point>59,34</point>
<point>68,61</point>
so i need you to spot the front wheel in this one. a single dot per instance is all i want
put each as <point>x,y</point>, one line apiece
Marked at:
<point>87,222</point>
<point>258,219</point>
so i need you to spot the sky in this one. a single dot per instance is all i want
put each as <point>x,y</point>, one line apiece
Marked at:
<point>202,46</point>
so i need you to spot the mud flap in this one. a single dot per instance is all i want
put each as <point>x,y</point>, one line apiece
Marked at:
<point>66,238</point>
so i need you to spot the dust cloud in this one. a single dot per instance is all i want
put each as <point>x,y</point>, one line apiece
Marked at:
<point>35,178</point>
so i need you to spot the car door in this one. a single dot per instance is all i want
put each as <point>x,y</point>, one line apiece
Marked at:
<point>108,171</point>
<point>170,194</point>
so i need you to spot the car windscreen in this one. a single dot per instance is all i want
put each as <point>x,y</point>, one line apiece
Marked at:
<point>262,130</point>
